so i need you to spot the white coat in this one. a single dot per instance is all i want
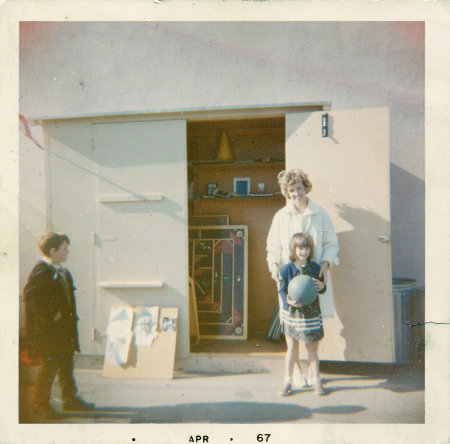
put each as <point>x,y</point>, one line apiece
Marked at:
<point>317,223</point>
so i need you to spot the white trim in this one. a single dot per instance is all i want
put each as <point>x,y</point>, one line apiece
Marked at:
<point>153,284</point>
<point>185,113</point>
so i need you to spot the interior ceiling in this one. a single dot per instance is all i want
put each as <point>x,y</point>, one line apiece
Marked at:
<point>235,123</point>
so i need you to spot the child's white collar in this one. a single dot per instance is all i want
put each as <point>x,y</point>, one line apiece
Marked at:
<point>57,267</point>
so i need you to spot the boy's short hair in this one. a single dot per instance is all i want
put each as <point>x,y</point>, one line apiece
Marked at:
<point>291,177</point>
<point>302,240</point>
<point>52,240</point>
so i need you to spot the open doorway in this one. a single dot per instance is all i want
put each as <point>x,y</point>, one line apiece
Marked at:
<point>232,181</point>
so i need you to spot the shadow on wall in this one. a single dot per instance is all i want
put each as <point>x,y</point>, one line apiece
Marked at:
<point>366,315</point>
<point>408,225</point>
<point>362,311</point>
<point>88,165</point>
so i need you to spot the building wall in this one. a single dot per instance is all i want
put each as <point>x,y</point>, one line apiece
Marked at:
<point>32,206</point>
<point>79,68</point>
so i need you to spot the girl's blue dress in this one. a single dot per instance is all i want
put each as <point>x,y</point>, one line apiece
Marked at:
<point>301,323</point>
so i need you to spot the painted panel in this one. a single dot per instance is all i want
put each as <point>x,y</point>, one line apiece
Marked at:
<point>218,266</point>
<point>141,236</point>
<point>349,170</point>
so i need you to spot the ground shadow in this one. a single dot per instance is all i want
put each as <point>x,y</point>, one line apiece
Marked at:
<point>209,412</point>
<point>396,378</point>
<point>338,377</point>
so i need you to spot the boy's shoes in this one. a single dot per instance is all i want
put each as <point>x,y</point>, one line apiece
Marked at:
<point>78,405</point>
<point>318,389</point>
<point>286,389</point>
<point>45,412</point>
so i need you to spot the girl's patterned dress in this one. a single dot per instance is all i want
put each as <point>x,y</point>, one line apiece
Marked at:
<point>301,323</point>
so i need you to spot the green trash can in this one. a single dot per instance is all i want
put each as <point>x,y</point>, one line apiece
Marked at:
<point>409,320</point>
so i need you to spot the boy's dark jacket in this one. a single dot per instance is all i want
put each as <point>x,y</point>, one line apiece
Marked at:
<point>44,298</point>
<point>289,271</point>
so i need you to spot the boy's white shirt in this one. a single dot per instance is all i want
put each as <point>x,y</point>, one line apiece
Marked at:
<point>57,268</point>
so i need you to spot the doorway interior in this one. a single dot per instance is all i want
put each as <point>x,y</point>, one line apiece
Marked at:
<point>233,166</point>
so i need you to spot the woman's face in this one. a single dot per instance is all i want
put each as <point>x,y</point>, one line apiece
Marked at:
<point>296,192</point>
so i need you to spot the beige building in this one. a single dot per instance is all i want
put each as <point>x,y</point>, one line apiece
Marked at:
<point>132,115</point>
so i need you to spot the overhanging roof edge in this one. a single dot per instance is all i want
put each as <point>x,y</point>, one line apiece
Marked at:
<point>281,107</point>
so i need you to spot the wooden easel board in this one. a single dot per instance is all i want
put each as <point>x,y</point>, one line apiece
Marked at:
<point>155,361</point>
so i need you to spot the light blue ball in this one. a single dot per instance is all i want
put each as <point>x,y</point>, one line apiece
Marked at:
<point>302,289</point>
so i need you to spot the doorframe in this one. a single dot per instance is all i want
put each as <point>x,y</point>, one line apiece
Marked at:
<point>192,114</point>
<point>252,113</point>
<point>267,110</point>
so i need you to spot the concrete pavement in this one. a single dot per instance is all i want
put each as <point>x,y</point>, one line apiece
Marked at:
<point>242,389</point>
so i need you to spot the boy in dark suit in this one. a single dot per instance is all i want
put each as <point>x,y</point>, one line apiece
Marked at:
<point>51,326</point>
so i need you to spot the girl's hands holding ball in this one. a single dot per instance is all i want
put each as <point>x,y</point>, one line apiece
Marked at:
<point>319,284</point>
<point>293,303</point>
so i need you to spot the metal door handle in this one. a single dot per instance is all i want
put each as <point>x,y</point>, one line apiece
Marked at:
<point>384,238</point>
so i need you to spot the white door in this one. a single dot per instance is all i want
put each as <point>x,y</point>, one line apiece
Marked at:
<point>141,246</point>
<point>349,170</point>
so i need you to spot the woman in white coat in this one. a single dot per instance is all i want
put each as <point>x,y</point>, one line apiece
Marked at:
<point>302,215</point>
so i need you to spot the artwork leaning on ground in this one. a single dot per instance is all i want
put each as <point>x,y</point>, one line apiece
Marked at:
<point>141,342</point>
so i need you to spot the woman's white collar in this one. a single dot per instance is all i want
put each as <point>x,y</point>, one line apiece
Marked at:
<point>312,208</point>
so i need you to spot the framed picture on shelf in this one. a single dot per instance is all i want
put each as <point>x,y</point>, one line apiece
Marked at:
<point>211,187</point>
<point>241,185</point>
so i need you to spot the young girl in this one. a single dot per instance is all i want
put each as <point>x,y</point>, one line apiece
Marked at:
<point>301,322</point>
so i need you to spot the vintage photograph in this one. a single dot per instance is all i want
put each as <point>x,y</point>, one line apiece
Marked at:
<point>146,297</point>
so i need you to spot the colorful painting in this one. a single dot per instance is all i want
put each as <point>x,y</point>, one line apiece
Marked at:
<point>218,265</point>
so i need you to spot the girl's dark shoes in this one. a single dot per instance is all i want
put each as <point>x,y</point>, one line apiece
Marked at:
<point>318,389</point>
<point>286,389</point>
<point>303,383</point>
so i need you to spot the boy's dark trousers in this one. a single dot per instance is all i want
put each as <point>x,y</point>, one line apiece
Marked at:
<point>62,364</point>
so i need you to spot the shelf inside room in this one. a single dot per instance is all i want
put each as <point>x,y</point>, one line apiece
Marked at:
<point>234,198</point>
<point>238,163</point>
